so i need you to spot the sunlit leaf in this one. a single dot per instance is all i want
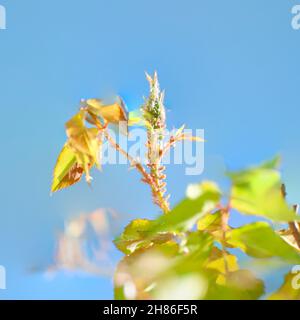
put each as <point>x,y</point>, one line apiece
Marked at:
<point>85,143</point>
<point>259,240</point>
<point>94,106</point>
<point>113,113</point>
<point>257,191</point>
<point>210,222</point>
<point>220,261</point>
<point>66,172</point>
<point>201,199</point>
<point>198,245</point>
<point>82,139</point>
<point>136,236</point>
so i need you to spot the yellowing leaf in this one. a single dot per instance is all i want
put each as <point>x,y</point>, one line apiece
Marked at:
<point>82,139</point>
<point>85,142</point>
<point>79,154</point>
<point>94,106</point>
<point>113,113</point>
<point>217,262</point>
<point>66,172</point>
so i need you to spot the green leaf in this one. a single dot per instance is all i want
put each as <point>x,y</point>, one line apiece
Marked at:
<point>201,199</point>
<point>290,289</point>
<point>257,191</point>
<point>259,240</point>
<point>198,245</point>
<point>136,236</point>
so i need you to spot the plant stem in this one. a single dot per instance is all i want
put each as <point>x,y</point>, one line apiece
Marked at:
<point>162,203</point>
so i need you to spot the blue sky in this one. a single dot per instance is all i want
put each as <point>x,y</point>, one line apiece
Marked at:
<point>229,67</point>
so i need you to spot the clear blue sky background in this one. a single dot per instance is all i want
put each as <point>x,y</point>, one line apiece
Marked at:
<point>230,67</point>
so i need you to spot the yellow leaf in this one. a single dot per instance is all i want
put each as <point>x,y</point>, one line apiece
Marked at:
<point>65,164</point>
<point>217,262</point>
<point>112,113</point>
<point>85,162</point>
<point>94,106</point>
<point>83,140</point>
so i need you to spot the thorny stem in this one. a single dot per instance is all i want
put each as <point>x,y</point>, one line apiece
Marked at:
<point>147,178</point>
<point>153,111</point>
<point>157,171</point>
<point>292,225</point>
